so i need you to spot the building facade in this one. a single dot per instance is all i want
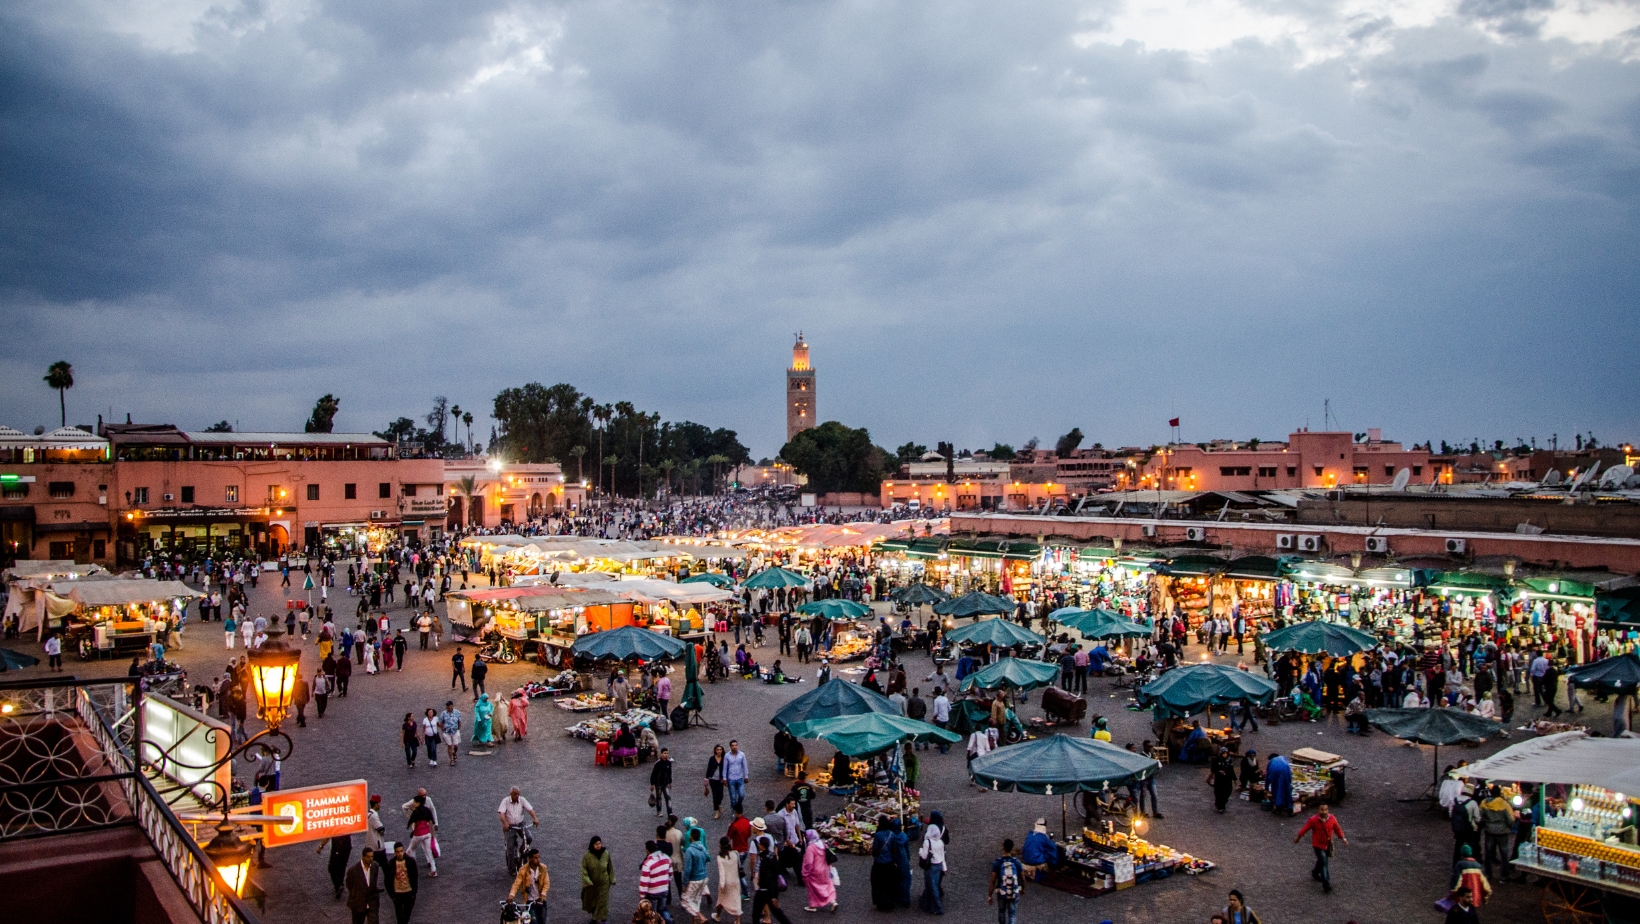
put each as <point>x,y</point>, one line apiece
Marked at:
<point>800,391</point>
<point>1307,460</point>
<point>491,495</point>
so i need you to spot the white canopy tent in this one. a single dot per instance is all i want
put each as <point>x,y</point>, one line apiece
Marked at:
<point>1569,757</point>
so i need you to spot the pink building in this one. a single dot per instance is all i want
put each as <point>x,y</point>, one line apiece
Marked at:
<point>489,495</point>
<point>1307,460</point>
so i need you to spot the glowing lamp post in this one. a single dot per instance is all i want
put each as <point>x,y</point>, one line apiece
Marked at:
<point>273,678</point>
<point>231,857</point>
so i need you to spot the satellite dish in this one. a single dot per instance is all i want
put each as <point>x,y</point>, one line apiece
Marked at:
<point>1553,478</point>
<point>1633,482</point>
<point>1401,478</point>
<point>1615,476</point>
<point>1578,481</point>
<point>39,430</point>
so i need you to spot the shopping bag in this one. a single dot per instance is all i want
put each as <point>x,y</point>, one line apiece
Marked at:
<point>436,852</point>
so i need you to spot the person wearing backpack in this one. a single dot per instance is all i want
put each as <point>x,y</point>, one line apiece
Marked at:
<point>1007,881</point>
<point>1466,826</point>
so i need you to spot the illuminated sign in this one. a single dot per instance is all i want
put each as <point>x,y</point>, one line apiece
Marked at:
<point>316,812</point>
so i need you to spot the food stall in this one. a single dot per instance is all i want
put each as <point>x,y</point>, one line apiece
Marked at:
<point>117,617</point>
<point>542,620</point>
<point>1584,843</point>
<point>26,583</point>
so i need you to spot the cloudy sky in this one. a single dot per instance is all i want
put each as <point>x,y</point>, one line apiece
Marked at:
<point>992,220</point>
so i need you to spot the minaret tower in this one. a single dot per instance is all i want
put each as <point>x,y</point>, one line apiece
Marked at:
<point>799,391</point>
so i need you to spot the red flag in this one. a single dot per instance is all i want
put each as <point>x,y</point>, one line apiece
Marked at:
<point>1174,422</point>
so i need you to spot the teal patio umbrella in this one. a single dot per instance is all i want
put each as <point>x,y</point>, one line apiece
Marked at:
<point>1319,636</point>
<point>872,733</point>
<point>836,697</point>
<point>918,594</point>
<point>1000,632</point>
<point>709,577</point>
<point>1617,675</point>
<point>15,660</point>
<point>774,579</point>
<point>1059,765</point>
<point>976,603</point>
<point>1013,674</point>
<point>835,608</point>
<point>1185,691</point>
<point>1104,624</point>
<point>1436,726</point>
<point>628,642</point>
<point>692,693</point>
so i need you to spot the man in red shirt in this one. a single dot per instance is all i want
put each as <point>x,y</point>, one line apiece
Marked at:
<point>1323,826</point>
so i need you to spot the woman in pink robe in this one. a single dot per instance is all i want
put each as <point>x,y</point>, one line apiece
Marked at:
<point>518,710</point>
<point>817,875</point>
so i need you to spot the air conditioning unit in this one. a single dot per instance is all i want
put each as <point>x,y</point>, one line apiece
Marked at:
<point>1286,541</point>
<point>1195,534</point>
<point>1378,545</point>
<point>378,514</point>
<point>170,497</point>
<point>1309,543</point>
<point>1148,531</point>
<point>1456,546</point>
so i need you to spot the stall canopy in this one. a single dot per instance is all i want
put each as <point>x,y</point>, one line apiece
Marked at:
<point>774,579</point>
<point>1100,623</point>
<point>1619,675</point>
<point>123,592</point>
<point>1186,691</point>
<point>976,603</point>
<point>872,733</point>
<point>709,577</point>
<point>918,594</point>
<point>1569,757</point>
<point>628,642</point>
<point>645,590</point>
<point>1320,637</point>
<point>1120,629</point>
<point>999,632</point>
<point>834,698</point>
<point>1013,674</point>
<point>1060,764</point>
<point>834,608</point>
<point>1439,727</point>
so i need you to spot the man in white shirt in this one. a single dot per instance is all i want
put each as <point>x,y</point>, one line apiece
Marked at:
<point>942,713</point>
<point>512,811</point>
<point>1540,667</point>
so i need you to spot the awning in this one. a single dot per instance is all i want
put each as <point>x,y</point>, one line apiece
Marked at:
<point>1254,568</point>
<point>119,591</point>
<point>84,526</point>
<point>17,514</point>
<point>1192,565</point>
<point>1569,757</point>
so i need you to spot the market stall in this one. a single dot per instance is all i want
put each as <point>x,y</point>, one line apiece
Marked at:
<point>1584,843</point>
<point>26,583</point>
<point>118,617</point>
<point>1197,688</point>
<point>543,620</point>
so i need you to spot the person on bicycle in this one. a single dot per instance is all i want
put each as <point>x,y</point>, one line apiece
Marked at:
<point>512,811</point>
<point>532,881</point>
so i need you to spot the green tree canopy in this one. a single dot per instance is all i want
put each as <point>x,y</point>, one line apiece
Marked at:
<point>910,453</point>
<point>323,418</point>
<point>837,458</point>
<point>1067,444</point>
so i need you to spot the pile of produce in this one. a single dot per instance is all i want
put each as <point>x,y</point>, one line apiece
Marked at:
<point>606,727</point>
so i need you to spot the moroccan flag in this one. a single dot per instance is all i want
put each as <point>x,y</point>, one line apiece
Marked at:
<point>1174,422</point>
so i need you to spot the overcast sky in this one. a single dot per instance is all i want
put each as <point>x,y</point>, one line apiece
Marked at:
<point>993,221</point>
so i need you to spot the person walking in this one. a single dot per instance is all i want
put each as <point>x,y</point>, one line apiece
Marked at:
<point>816,870</point>
<point>1323,828</point>
<point>1237,912</point>
<point>480,671</point>
<point>735,772</point>
<point>364,888</point>
<point>344,673</point>
<point>401,881</point>
<point>767,895</point>
<point>54,652</point>
<point>655,878</point>
<point>483,719</point>
<point>597,877</point>
<point>458,670</point>
<point>423,827</point>
<point>400,646</point>
<point>532,882</point>
<point>728,874</point>
<point>449,730</point>
<point>299,695</point>
<point>429,734</point>
<point>713,784</point>
<point>321,691</point>
<point>410,735</point>
<point>660,784</point>
<point>1007,881</point>
<point>1222,774</point>
<point>931,857</point>
<point>341,847</point>
<point>697,866</point>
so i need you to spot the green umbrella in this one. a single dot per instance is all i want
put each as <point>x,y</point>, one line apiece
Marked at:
<point>976,603</point>
<point>1001,632</point>
<point>1436,726</point>
<point>831,699</point>
<point>1013,674</point>
<point>1100,623</point>
<point>709,577</point>
<point>774,579</point>
<point>15,660</point>
<point>1123,629</point>
<point>307,582</point>
<point>835,608</point>
<point>873,733</point>
<point>918,594</point>
<point>692,693</point>
<point>1185,691</point>
<point>1320,637</point>
<point>1060,764</point>
<point>1619,675</point>
<point>628,642</point>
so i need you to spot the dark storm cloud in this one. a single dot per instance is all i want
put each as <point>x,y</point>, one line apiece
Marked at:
<point>992,222</point>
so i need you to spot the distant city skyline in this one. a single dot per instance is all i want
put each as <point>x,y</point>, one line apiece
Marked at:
<point>994,222</point>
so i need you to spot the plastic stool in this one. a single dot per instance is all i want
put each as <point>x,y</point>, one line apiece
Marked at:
<point>600,754</point>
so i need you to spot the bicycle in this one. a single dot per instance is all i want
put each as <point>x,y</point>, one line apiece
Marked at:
<point>517,847</point>
<point>515,913</point>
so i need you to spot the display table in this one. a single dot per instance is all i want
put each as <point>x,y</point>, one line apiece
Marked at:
<point>851,830</point>
<point>1106,862</point>
<point>1216,737</point>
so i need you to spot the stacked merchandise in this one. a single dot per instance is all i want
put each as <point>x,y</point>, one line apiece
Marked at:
<point>565,682</point>
<point>850,830</point>
<point>585,702</point>
<point>606,727</point>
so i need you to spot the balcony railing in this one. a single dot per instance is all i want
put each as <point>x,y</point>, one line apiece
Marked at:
<point>68,766</point>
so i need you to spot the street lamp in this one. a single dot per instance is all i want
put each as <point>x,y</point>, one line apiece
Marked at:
<point>274,667</point>
<point>230,856</point>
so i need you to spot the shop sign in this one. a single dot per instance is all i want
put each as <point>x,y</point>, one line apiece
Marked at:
<point>316,812</point>
<point>426,506</point>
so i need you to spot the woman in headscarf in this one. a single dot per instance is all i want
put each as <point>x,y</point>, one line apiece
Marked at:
<point>1223,775</point>
<point>621,693</point>
<point>885,878</point>
<point>518,715</point>
<point>932,853</point>
<point>597,875</point>
<point>898,847</point>
<point>500,725</point>
<point>483,732</point>
<point>817,875</point>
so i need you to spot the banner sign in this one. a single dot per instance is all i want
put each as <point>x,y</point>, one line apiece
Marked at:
<point>316,812</point>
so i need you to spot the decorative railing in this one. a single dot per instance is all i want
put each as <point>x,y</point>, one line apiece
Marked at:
<point>68,765</point>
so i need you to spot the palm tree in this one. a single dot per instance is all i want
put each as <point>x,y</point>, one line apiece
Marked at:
<point>666,467</point>
<point>610,461</point>
<point>715,460</point>
<point>60,375</point>
<point>467,419</point>
<point>602,412</point>
<point>578,452</point>
<point>467,487</point>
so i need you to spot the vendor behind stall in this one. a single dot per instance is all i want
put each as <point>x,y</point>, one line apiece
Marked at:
<point>1041,853</point>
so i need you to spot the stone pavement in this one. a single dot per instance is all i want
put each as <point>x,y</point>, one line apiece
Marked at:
<point>1395,867</point>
